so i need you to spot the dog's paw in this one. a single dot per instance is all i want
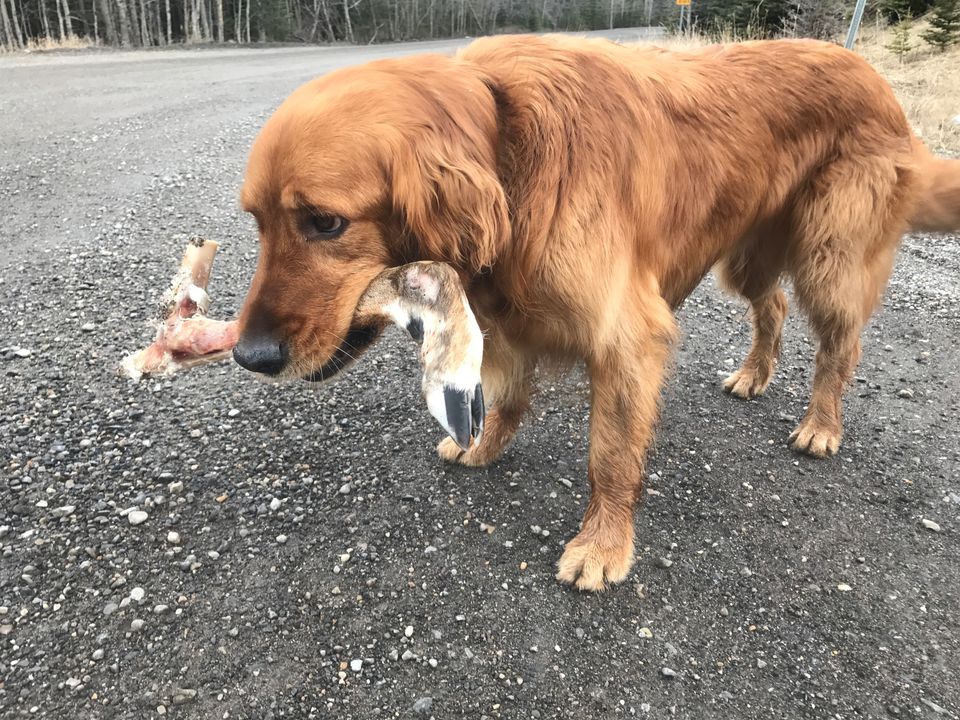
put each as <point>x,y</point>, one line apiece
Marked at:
<point>748,382</point>
<point>816,438</point>
<point>449,451</point>
<point>588,566</point>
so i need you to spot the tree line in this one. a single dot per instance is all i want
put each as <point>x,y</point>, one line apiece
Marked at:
<point>148,23</point>
<point>151,23</point>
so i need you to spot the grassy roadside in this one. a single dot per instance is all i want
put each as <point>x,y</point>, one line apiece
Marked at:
<point>927,83</point>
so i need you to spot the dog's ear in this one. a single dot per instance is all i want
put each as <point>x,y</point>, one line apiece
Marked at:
<point>445,184</point>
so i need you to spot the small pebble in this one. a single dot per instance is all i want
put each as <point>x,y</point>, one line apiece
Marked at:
<point>356,665</point>
<point>843,587</point>
<point>275,504</point>
<point>282,539</point>
<point>664,562</point>
<point>408,631</point>
<point>931,525</point>
<point>173,537</point>
<point>668,672</point>
<point>137,594</point>
<point>135,517</point>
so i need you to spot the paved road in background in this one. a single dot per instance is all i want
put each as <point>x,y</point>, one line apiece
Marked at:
<point>305,554</point>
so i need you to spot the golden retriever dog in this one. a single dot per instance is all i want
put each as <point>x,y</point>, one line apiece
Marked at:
<point>582,190</point>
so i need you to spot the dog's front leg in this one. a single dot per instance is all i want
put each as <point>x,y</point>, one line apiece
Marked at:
<point>625,392</point>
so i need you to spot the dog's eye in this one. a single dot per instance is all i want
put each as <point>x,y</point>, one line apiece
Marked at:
<point>318,226</point>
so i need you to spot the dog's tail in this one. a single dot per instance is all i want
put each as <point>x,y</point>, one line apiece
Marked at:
<point>937,207</point>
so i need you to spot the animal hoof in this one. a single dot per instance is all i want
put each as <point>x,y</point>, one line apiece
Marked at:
<point>460,412</point>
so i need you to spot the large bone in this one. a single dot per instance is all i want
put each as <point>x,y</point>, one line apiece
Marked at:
<point>185,336</point>
<point>426,298</point>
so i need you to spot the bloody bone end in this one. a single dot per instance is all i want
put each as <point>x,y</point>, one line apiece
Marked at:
<point>185,336</point>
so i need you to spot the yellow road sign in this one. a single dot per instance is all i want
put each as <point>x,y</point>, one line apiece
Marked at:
<point>683,2</point>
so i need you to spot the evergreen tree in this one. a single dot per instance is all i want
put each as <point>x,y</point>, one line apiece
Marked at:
<point>944,27</point>
<point>901,43</point>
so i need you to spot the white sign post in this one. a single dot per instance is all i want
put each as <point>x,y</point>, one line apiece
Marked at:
<point>855,24</point>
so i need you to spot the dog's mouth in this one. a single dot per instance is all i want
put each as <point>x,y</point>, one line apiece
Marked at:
<point>356,342</point>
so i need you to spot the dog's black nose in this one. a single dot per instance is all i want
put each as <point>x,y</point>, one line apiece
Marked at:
<point>261,352</point>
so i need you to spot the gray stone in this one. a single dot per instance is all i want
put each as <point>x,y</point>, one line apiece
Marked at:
<point>423,705</point>
<point>181,696</point>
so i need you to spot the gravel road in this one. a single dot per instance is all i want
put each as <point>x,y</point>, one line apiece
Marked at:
<point>218,547</point>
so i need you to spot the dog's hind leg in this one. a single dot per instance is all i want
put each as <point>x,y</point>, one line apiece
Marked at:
<point>756,372</point>
<point>507,378</point>
<point>847,233</point>
<point>753,272</point>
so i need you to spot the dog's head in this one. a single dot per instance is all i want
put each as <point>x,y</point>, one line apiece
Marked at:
<point>358,171</point>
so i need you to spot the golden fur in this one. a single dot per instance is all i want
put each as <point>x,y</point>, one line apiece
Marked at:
<point>583,189</point>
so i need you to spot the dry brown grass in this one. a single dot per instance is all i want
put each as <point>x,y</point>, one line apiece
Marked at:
<point>927,82</point>
<point>70,43</point>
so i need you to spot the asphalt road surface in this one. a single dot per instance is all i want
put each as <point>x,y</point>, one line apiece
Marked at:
<point>306,555</point>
